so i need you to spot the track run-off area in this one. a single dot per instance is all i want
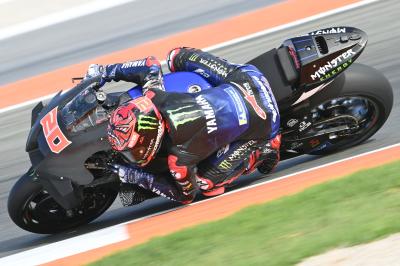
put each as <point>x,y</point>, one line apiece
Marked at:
<point>377,18</point>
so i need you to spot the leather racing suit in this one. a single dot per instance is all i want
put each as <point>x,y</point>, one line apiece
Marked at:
<point>214,135</point>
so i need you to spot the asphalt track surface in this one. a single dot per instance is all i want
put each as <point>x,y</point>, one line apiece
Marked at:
<point>108,31</point>
<point>379,20</point>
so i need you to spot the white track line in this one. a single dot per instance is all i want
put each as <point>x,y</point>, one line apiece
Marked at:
<point>58,17</point>
<point>232,42</point>
<point>67,247</point>
<point>116,233</point>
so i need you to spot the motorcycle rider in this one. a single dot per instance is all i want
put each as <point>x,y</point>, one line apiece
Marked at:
<point>213,136</point>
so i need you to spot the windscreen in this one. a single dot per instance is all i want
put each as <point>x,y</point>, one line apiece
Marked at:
<point>83,112</point>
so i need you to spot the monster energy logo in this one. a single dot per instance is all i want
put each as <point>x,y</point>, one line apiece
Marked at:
<point>193,57</point>
<point>180,117</point>
<point>147,122</point>
<point>225,165</point>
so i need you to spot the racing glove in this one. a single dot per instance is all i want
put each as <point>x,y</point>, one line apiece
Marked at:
<point>161,185</point>
<point>93,71</point>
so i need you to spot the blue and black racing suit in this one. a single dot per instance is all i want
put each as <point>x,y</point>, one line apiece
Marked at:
<point>215,135</point>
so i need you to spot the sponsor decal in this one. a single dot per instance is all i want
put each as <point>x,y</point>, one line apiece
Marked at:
<point>134,63</point>
<point>55,138</point>
<point>183,115</point>
<point>237,154</point>
<point>310,93</point>
<point>158,192</point>
<point>292,122</point>
<point>267,92</point>
<point>215,66</point>
<point>337,70</point>
<point>143,103</point>
<point>240,150</point>
<point>147,122</point>
<point>304,125</point>
<point>249,96</point>
<point>209,113</point>
<point>202,72</point>
<point>154,144</point>
<point>328,31</point>
<point>323,70</point>
<point>239,106</point>
<point>295,145</point>
<point>225,165</point>
<point>222,151</point>
<point>193,57</point>
<point>314,143</point>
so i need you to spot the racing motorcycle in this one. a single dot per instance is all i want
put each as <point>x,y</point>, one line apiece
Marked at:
<point>326,101</point>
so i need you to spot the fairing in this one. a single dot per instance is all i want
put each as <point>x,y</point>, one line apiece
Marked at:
<point>324,54</point>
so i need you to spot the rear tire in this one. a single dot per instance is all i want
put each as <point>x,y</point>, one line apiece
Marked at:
<point>364,82</point>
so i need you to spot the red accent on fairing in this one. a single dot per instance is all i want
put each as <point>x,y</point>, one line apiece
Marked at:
<point>171,56</point>
<point>181,170</point>
<point>151,60</point>
<point>55,138</point>
<point>293,54</point>
<point>276,142</point>
<point>214,192</point>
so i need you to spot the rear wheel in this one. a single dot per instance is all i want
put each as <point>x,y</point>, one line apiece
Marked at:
<point>360,117</point>
<point>33,209</point>
<point>362,105</point>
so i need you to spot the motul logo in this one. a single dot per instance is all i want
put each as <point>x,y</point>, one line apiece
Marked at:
<point>55,138</point>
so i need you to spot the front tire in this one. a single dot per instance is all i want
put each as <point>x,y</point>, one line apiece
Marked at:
<point>33,209</point>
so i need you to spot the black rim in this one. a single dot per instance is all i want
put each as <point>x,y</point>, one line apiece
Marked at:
<point>355,116</point>
<point>41,210</point>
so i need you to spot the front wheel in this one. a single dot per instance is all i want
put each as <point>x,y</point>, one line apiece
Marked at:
<point>33,209</point>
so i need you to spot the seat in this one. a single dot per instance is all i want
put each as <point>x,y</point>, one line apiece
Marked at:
<point>278,67</point>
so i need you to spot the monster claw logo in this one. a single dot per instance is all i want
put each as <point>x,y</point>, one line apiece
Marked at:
<point>180,117</point>
<point>147,122</point>
<point>225,165</point>
<point>193,57</point>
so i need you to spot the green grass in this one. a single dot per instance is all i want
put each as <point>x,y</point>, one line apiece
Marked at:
<point>356,209</point>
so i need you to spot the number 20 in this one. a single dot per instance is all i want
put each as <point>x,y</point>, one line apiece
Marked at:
<point>55,138</point>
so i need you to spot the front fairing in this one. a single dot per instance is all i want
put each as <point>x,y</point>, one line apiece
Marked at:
<point>71,118</point>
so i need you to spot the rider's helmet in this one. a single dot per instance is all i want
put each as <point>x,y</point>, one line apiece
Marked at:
<point>136,129</point>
